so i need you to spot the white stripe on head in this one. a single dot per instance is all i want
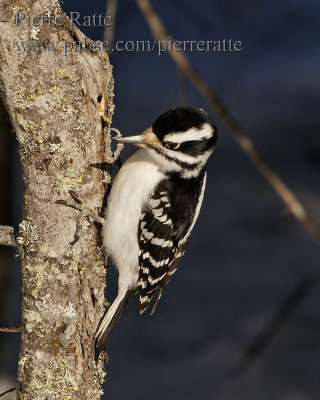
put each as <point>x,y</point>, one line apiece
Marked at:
<point>205,132</point>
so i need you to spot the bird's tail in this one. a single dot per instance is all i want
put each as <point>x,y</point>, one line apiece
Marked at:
<point>110,320</point>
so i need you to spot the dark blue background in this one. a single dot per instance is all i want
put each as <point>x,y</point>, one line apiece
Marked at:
<point>246,252</point>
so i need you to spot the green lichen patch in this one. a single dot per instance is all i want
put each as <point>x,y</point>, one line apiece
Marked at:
<point>64,181</point>
<point>50,377</point>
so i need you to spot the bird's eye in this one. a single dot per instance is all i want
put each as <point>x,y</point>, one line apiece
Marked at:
<point>171,145</point>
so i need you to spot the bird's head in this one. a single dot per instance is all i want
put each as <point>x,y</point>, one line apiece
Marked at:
<point>180,140</point>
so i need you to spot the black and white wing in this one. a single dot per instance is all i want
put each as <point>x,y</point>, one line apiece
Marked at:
<point>165,225</point>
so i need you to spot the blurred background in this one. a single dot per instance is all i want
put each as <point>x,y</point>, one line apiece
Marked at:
<point>240,319</point>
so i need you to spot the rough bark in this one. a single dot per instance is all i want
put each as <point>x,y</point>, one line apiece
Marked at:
<point>7,236</point>
<point>58,106</point>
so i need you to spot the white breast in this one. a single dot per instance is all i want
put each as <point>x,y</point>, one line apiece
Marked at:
<point>131,188</point>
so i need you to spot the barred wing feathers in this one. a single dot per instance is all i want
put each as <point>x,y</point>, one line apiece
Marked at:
<point>165,225</point>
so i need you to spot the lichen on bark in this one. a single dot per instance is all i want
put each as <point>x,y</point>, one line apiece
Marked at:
<point>59,107</point>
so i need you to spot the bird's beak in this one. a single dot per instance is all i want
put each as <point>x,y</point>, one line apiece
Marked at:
<point>146,137</point>
<point>138,139</point>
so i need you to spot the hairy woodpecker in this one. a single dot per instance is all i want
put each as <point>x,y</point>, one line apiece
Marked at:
<point>153,205</point>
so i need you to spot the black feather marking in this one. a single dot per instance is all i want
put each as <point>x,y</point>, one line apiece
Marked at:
<point>182,164</point>
<point>161,243</point>
<point>180,119</point>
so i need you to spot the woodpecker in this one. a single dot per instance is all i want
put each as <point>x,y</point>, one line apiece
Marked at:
<point>152,207</point>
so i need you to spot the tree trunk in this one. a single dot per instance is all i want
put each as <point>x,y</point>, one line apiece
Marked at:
<point>59,106</point>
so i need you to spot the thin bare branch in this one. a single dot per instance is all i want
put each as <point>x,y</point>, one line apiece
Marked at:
<point>183,62</point>
<point>278,320</point>
<point>108,33</point>
<point>10,329</point>
<point>8,391</point>
<point>7,236</point>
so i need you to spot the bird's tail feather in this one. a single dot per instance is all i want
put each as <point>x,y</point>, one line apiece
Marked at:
<point>110,320</point>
